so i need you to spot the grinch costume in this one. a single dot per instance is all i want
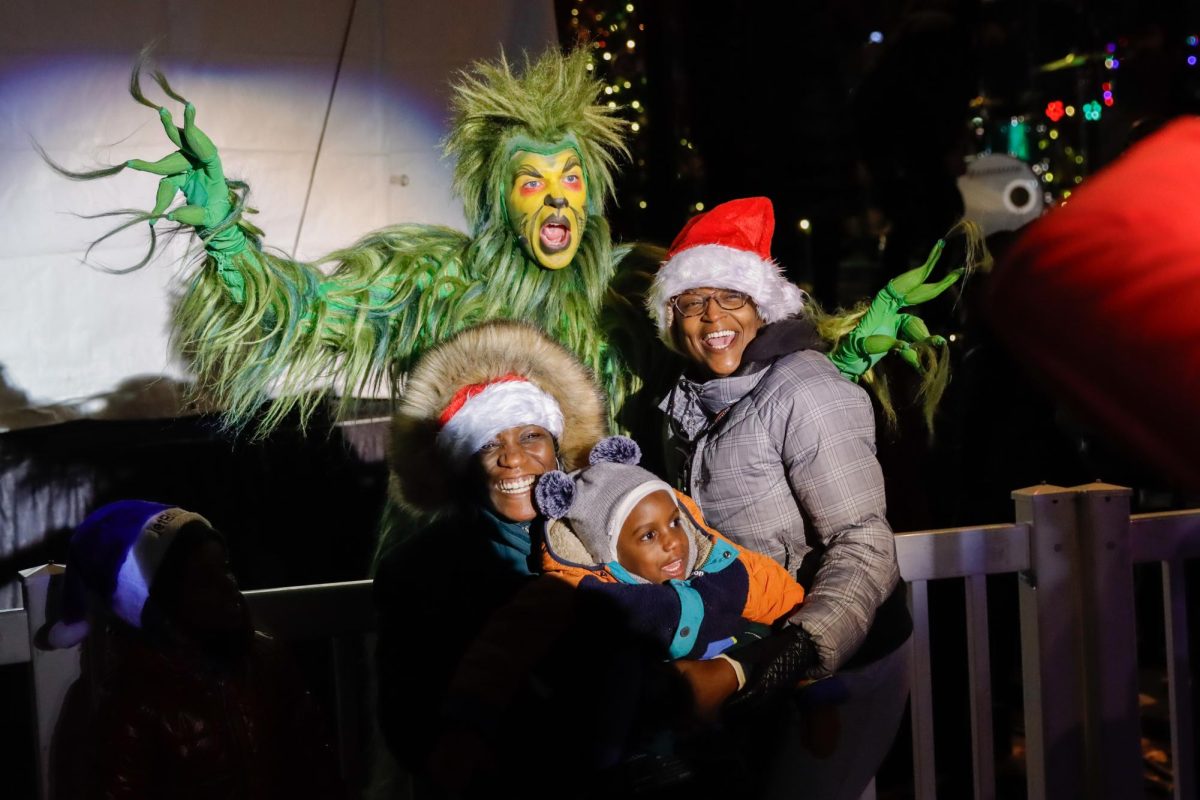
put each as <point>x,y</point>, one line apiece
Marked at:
<point>534,154</point>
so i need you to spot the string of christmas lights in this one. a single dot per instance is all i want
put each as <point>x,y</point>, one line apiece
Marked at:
<point>617,30</point>
<point>614,28</point>
<point>1061,160</point>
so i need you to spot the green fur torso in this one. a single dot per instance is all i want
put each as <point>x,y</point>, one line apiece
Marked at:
<point>392,295</point>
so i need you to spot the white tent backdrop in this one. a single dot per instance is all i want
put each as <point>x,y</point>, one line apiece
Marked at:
<point>76,340</point>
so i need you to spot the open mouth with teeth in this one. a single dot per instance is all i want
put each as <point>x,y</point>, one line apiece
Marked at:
<point>674,569</point>
<point>719,340</point>
<point>520,485</point>
<point>555,234</point>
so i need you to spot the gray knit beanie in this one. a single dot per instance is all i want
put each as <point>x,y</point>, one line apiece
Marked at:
<point>595,500</point>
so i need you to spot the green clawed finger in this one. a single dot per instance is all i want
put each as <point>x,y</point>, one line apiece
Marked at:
<point>167,188</point>
<point>173,132</point>
<point>188,215</point>
<point>910,357</point>
<point>879,343</point>
<point>934,255</point>
<point>929,291</point>
<point>913,328</point>
<point>905,282</point>
<point>170,165</point>
<point>198,143</point>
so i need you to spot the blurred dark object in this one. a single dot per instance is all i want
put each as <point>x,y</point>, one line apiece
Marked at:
<point>910,116</point>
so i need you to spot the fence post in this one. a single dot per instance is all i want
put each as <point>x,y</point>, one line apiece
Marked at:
<point>1113,756</point>
<point>1179,679</point>
<point>1052,644</point>
<point>53,670</point>
<point>921,693</point>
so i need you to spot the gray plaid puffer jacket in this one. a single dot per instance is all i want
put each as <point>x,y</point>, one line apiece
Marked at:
<point>783,461</point>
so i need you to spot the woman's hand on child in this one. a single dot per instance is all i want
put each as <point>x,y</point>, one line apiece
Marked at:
<point>712,682</point>
<point>773,665</point>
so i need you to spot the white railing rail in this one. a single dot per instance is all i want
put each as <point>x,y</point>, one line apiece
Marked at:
<point>1170,538</point>
<point>1072,548</point>
<point>971,554</point>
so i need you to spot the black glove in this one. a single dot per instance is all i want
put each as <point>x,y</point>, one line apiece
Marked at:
<point>773,665</point>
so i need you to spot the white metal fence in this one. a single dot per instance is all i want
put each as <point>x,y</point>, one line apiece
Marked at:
<point>1072,548</point>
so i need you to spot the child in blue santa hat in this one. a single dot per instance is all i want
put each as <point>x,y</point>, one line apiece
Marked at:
<point>197,704</point>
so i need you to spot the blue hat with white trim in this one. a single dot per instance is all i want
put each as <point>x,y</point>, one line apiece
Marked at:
<point>113,558</point>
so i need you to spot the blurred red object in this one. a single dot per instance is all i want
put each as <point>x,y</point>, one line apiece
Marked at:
<point>1101,297</point>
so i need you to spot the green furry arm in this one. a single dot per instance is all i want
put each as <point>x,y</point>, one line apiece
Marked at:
<point>294,329</point>
<point>255,324</point>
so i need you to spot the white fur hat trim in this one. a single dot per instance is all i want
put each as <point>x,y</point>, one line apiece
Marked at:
<point>721,267</point>
<point>497,408</point>
<point>137,571</point>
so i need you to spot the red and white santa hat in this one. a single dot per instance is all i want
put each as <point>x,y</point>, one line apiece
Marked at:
<point>728,247</point>
<point>479,411</point>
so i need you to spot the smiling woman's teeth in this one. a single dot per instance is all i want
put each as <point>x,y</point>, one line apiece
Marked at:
<point>516,485</point>
<point>718,340</point>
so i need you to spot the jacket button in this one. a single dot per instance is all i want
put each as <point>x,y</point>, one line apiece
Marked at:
<point>726,554</point>
<point>685,631</point>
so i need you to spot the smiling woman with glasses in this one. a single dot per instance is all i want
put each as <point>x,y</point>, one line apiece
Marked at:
<point>691,304</point>
<point>778,449</point>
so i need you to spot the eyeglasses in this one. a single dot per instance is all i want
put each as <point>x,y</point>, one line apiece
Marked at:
<point>693,305</point>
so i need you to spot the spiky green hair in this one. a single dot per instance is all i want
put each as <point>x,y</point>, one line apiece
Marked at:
<point>552,101</point>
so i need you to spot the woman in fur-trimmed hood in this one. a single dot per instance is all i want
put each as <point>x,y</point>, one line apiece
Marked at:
<point>463,393</point>
<point>483,415</point>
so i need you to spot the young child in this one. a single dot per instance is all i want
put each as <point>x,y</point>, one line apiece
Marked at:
<point>194,703</point>
<point>617,529</point>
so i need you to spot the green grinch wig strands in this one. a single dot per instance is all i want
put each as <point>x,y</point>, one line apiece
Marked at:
<point>552,103</point>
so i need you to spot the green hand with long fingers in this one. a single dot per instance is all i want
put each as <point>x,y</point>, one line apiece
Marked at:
<point>195,171</point>
<point>884,329</point>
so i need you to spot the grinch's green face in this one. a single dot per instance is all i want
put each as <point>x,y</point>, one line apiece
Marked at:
<point>547,203</point>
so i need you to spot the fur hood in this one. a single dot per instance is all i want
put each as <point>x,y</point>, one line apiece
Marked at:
<point>421,480</point>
